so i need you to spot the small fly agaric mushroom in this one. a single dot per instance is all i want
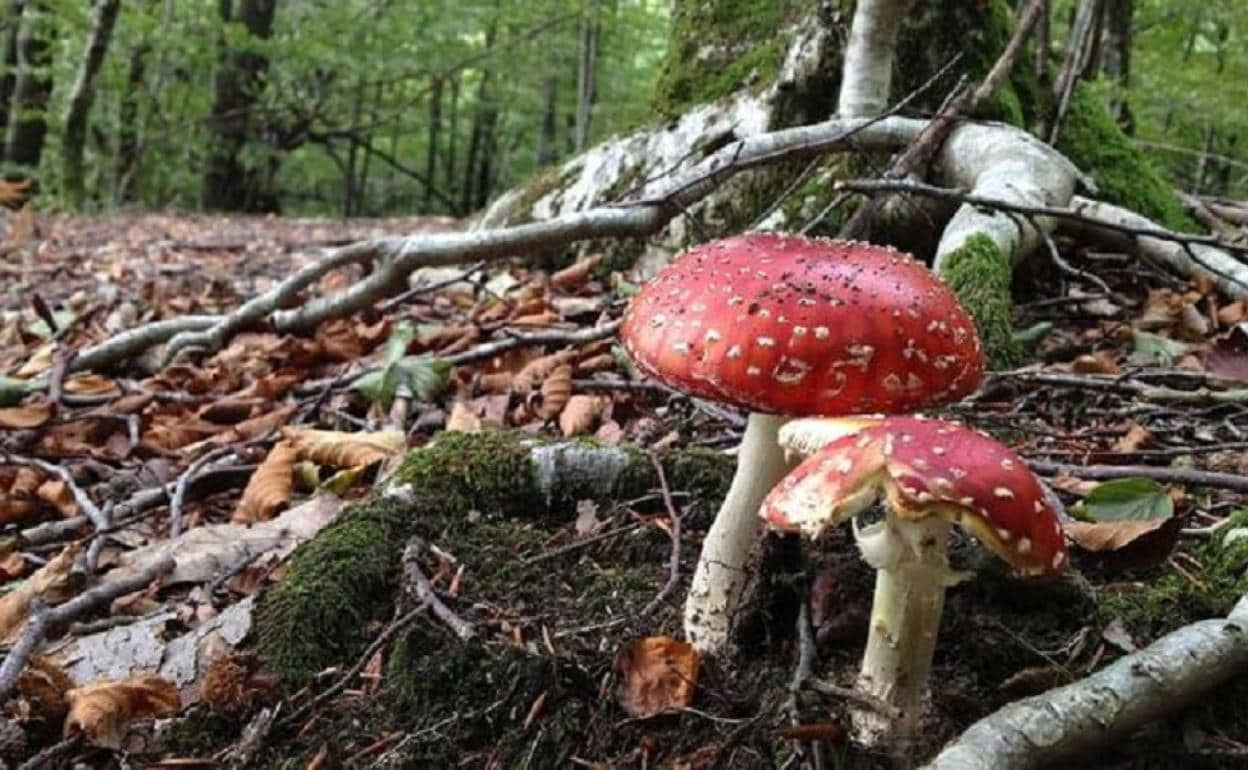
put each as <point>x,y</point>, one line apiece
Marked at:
<point>932,474</point>
<point>784,326</point>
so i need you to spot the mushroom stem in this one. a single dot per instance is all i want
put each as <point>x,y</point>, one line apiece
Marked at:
<point>727,571</point>
<point>912,574</point>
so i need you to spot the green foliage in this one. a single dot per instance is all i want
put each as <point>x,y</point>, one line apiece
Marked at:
<point>1126,500</point>
<point>1094,143</point>
<point>980,276</point>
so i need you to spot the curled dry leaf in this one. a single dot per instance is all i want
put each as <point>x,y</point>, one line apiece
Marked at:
<point>338,449</point>
<point>57,493</point>
<point>656,674</point>
<point>463,419</point>
<point>43,685</point>
<point>50,582</point>
<point>575,275</point>
<point>1108,535</point>
<point>90,385</point>
<point>26,416</point>
<point>19,501</point>
<point>1133,440</point>
<point>556,391</point>
<point>101,711</point>
<point>539,369</point>
<point>270,487</point>
<point>1101,362</point>
<point>235,683</point>
<point>579,415</point>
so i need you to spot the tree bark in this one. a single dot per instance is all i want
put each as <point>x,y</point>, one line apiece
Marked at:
<point>126,164</point>
<point>547,137</point>
<point>868,65</point>
<point>431,152</point>
<point>80,100</point>
<point>229,184</point>
<point>587,75</point>
<point>31,89</point>
<point>1116,56</point>
<point>478,163</point>
<point>12,26</point>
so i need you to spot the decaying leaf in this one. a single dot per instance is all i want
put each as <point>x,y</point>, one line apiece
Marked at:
<point>26,416</point>
<point>579,414</point>
<point>270,487</point>
<point>235,683</point>
<point>655,674</point>
<point>1126,512</point>
<point>338,449</point>
<point>463,419</point>
<point>50,583</point>
<point>1131,441</point>
<point>1228,357</point>
<point>101,711</point>
<point>1108,536</point>
<point>43,685</point>
<point>539,369</point>
<point>576,274</point>
<point>556,391</point>
<point>19,499</point>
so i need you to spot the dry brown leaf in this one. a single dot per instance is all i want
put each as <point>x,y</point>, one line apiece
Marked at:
<point>1229,315</point>
<point>13,566</point>
<point>43,685</point>
<point>539,369</point>
<point>579,415</point>
<point>1109,535</point>
<point>556,390</point>
<point>50,583</point>
<point>235,683</point>
<point>599,363</point>
<point>1073,485</point>
<point>90,385</point>
<point>463,419</point>
<point>270,487</point>
<point>26,416</point>
<point>21,227</point>
<point>1135,438</point>
<point>1228,357</point>
<point>543,318</point>
<point>575,275</point>
<point>58,494</point>
<point>1101,362</point>
<point>101,711</point>
<point>656,674</point>
<point>15,192</point>
<point>19,501</point>
<point>339,449</point>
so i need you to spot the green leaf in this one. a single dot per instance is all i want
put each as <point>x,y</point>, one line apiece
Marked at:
<point>12,391</point>
<point>1156,349</point>
<point>1133,499</point>
<point>424,376</point>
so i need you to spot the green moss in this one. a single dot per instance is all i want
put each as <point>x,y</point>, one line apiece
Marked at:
<point>976,31</point>
<point>1123,176</point>
<point>716,47</point>
<point>980,276</point>
<point>487,472</point>
<point>342,583</point>
<point>1169,600</point>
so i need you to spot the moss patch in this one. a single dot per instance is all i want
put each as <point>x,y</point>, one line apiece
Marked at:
<point>980,276</point>
<point>1094,143</point>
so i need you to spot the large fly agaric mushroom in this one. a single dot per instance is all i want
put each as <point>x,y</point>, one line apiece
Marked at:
<point>932,474</point>
<point>788,326</point>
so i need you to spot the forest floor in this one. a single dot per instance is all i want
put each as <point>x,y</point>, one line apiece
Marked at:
<point>539,659</point>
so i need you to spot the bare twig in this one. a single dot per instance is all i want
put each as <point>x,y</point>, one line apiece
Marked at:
<point>45,621</point>
<point>673,562</point>
<point>415,581</point>
<point>49,756</point>
<point>184,481</point>
<point>81,499</point>
<point>1156,472</point>
<point>1202,396</point>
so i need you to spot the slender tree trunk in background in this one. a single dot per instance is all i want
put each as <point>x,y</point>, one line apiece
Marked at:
<point>1116,57</point>
<point>367,163</point>
<point>489,146</point>
<point>548,135</point>
<point>431,151</point>
<point>33,86</point>
<point>476,166</point>
<point>12,26</point>
<point>353,153</point>
<point>452,135</point>
<point>1040,62</point>
<point>587,76</point>
<point>126,164</point>
<point>1202,166</point>
<point>75,137</point>
<point>228,185</point>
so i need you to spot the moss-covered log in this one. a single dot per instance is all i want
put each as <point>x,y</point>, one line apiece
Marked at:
<point>479,493</point>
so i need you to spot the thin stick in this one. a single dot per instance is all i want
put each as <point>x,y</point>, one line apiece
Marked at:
<point>1158,473</point>
<point>415,581</point>
<point>673,563</point>
<point>184,481</point>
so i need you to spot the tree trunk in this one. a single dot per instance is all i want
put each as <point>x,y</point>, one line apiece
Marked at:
<point>547,138</point>
<point>31,89</point>
<point>74,141</point>
<point>431,151</point>
<point>451,157</point>
<point>477,164</point>
<point>229,184</point>
<point>587,75</point>
<point>12,26</point>
<point>126,164</point>
<point>1116,57</point>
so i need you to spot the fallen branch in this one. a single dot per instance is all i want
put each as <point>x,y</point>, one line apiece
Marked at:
<point>1202,396</point>
<point>1164,474</point>
<point>44,621</point>
<point>1139,688</point>
<point>414,581</point>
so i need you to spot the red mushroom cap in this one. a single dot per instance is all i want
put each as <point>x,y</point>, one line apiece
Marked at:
<point>790,325</point>
<point>927,468</point>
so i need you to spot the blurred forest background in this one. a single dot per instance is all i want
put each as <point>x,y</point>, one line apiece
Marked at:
<point>380,107</point>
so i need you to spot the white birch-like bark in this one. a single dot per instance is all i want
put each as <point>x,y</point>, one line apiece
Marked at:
<point>1006,164</point>
<point>1219,266</point>
<point>1068,721</point>
<point>867,72</point>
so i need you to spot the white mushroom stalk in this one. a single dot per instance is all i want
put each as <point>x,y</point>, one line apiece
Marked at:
<point>930,474</point>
